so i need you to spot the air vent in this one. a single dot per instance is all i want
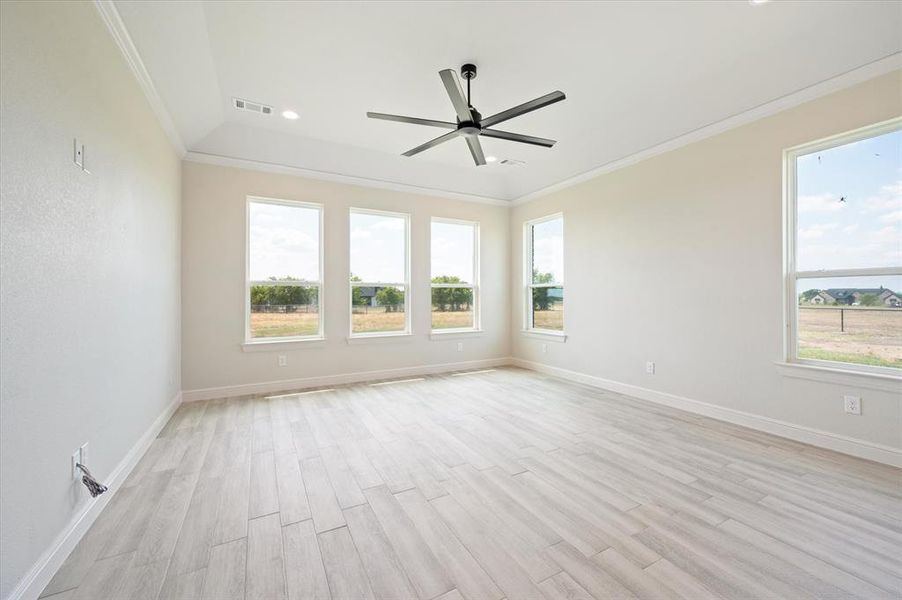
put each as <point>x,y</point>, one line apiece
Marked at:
<point>512,162</point>
<point>251,106</point>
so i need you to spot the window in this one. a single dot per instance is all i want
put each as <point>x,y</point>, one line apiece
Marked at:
<point>844,251</point>
<point>380,272</point>
<point>284,270</point>
<point>455,275</point>
<point>545,274</point>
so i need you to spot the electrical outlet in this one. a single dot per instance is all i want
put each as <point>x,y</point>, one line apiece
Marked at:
<point>460,346</point>
<point>650,368</point>
<point>283,360</point>
<point>852,405</point>
<point>544,348</point>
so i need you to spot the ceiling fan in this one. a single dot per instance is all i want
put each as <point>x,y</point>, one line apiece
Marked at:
<point>470,124</point>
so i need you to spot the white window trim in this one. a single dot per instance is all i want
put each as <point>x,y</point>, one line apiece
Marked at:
<point>405,285</point>
<point>273,343</point>
<point>477,312</point>
<point>791,275</point>
<point>528,285</point>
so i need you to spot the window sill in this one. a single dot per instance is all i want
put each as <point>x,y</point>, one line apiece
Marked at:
<point>548,336</point>
<point>280,345</point>
<point>453,334</point>
<point>845,377</point>
<point>376,338</point>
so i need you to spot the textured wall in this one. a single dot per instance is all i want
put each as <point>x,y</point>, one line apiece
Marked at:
<point>678,260</point>
<point>89,270</point>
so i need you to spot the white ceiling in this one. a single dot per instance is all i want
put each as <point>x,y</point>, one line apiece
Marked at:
<point>636,74</point>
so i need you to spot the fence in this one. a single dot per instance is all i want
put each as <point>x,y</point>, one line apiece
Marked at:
<point>284,308</point>
<point>861,316</point>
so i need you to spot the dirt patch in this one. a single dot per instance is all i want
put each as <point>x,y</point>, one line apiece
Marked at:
<point>866,336</point>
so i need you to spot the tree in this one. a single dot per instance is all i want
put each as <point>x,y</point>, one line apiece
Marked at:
<point>282,295</point>
<point>443,298</point>
<point>391,298</point>
<point>807,295</point>
<point>540,298</point>
<point>258,295</point>
<point>461,298</point>
<point>357,298</point>
<point>868,300</point>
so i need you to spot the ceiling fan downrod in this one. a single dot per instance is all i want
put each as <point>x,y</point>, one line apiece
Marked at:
<point>468,72</point>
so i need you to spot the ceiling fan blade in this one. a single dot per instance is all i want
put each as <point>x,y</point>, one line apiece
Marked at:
<point>435,142</point>
<point>518,137</point>
<point>476,150</point>
<point>412,120</point>
<point>524,108</point>
<point>456,93</point>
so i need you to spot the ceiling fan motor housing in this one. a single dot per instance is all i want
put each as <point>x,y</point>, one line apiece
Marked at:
<point>470,127</point>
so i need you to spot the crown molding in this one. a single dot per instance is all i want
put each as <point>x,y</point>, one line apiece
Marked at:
<point>110,17</point>
<point>268,167</point>
<point>834,84</point>
<point>117,29</point>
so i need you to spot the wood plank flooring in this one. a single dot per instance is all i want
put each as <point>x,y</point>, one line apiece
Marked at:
<point>483,486</point>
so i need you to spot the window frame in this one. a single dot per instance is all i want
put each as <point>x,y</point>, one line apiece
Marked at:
<point>405,285</point>
<point>791,276</point>
<point>474,286</point>
<point>319,284</point>
<point>529,286</point>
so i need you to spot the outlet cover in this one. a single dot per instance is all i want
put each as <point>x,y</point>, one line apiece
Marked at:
<point>852,405</point>
<point>283,360</point>
<point>650,368</point>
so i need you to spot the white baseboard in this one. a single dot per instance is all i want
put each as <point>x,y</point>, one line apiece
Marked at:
<point>40,574</point>
<point>799,433</point>
<point>269,387</point>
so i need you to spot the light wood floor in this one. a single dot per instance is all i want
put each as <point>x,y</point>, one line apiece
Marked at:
<point>501,484</point>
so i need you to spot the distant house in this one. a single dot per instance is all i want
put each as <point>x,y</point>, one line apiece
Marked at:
<point>822,297</point>
<point>890,298</point>
<point>852,296</point>
<point>368,293</point>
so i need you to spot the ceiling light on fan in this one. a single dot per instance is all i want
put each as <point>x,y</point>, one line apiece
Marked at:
<point>290,115</point>
<point>469,122</point>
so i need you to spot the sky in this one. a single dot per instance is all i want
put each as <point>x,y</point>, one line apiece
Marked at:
<point>284,242</point>
<point>377,248</point>
<point>863,231</point>
<point>548,248</point>
<point>452,250</point>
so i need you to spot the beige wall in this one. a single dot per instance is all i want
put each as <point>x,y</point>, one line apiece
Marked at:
<point>213,271</point>
<point>89,268</point>
<point>678,260</point>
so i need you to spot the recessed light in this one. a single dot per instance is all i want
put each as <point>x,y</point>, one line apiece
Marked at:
<point>490,159</point>
<point>757,2</point>
<point>290,115</point>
